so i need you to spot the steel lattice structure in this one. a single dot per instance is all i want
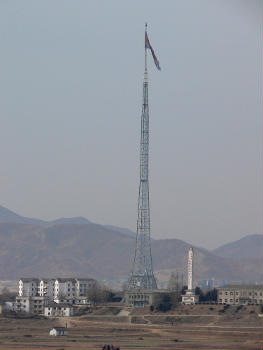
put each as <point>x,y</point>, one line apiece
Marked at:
<point>142,276</point>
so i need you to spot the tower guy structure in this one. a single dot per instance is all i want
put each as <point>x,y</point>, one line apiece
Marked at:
<point>142,276</point>
<point>189,297</point>
<point>190,269</point>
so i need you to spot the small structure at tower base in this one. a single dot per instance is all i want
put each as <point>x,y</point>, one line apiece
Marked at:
<point>143,297</point>
<point>190,298</point>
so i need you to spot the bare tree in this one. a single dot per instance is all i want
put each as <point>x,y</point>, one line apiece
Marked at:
<point>98,293</point>
<point>174,286</point>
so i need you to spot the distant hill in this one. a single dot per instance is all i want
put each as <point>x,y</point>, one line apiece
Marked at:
<point>79,220</point>
<point>122,230</point>
<point>77,247</point>
<point>248,247</point>
<point>7,215</point>
<point>94,251</point>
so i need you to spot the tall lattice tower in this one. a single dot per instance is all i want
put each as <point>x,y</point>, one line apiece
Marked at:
<point>142,276</point>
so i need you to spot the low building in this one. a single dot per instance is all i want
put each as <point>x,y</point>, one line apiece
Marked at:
<point>31,304</point>
<point>240,294</point>
<point>141,298</point>
<point>58,310</point>
<point>190,298</point>
<point>79,300</point>
<point>9,305</point>
<point>58,331</point>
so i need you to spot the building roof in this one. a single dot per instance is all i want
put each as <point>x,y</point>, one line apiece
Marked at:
<point>47,279</point>
<point>58,328</point>
<point>53,304</point>
<point>26,279</point>
<point>242,286</point>
<point>66,279</point>
<point>85,279</point>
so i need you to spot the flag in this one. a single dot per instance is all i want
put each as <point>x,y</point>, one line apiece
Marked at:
<point>148,46</point>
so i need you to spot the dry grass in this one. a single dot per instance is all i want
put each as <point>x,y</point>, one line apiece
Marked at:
<point>221,332</point>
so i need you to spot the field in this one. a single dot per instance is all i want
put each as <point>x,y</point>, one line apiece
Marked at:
<point>185,328</point>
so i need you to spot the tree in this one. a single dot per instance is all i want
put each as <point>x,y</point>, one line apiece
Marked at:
<point>211,295</point>
<point>98,293</point>
<point>198,291</point>
<point>174,286</point>
<point>6,295</point>
<point>165,304</point>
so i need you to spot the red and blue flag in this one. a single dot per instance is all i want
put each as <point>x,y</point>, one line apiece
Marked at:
<point>148,46</point>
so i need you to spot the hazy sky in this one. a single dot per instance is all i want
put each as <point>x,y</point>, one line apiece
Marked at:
<point>71,92</point>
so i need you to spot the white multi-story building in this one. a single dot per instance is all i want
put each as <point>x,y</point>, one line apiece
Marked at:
<point>65,287</point>
<point>28,287</point>
<point>240,294</point>
<point>34,294</point>
<point>30,304</point>
<point>83,285</point>
<point>47,288</point>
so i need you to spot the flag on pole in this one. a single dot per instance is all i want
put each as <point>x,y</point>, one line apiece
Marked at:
<point>148,46</point>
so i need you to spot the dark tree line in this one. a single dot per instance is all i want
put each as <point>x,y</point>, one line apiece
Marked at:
<point>209,296</point>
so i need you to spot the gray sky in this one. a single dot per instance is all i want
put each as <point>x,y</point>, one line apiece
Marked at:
<point>70,102</point>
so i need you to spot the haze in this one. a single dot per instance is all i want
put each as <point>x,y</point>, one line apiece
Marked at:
<point>71,92</point>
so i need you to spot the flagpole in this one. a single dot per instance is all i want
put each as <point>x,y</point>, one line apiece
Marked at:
<point>145,57</point>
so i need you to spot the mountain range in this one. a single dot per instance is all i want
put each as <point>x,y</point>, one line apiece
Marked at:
<point>77,247</point>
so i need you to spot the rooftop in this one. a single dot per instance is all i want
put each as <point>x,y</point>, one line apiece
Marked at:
<point>242,286</point>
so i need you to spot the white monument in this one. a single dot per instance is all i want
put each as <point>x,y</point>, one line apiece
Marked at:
<point>189,297</point>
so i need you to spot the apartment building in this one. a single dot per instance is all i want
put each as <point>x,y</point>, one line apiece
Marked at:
<point>47,288</point>
<point>28,287</point>
<point>240,294</point>
<point>30,304</point>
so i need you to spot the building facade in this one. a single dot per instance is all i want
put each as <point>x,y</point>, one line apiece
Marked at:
<point>58,310</point>
<point>141,298</point>
<point>34,294</point>
<point>240,294</point>
<point>47,288</point>
<point>28,287</point>
<point>31,304</point>
<point>82,286</point>
<point>58,331</point>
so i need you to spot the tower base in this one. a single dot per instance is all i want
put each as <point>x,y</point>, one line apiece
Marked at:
<point>142,282</point>
<point>190,298</point>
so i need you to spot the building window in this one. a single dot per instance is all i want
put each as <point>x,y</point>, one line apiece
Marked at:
<point>237,293</point>
<point>220,300</point>
<point>231,293</point>
<point>225,300</point>
<point>226,293</point>
<point>231,300</point>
